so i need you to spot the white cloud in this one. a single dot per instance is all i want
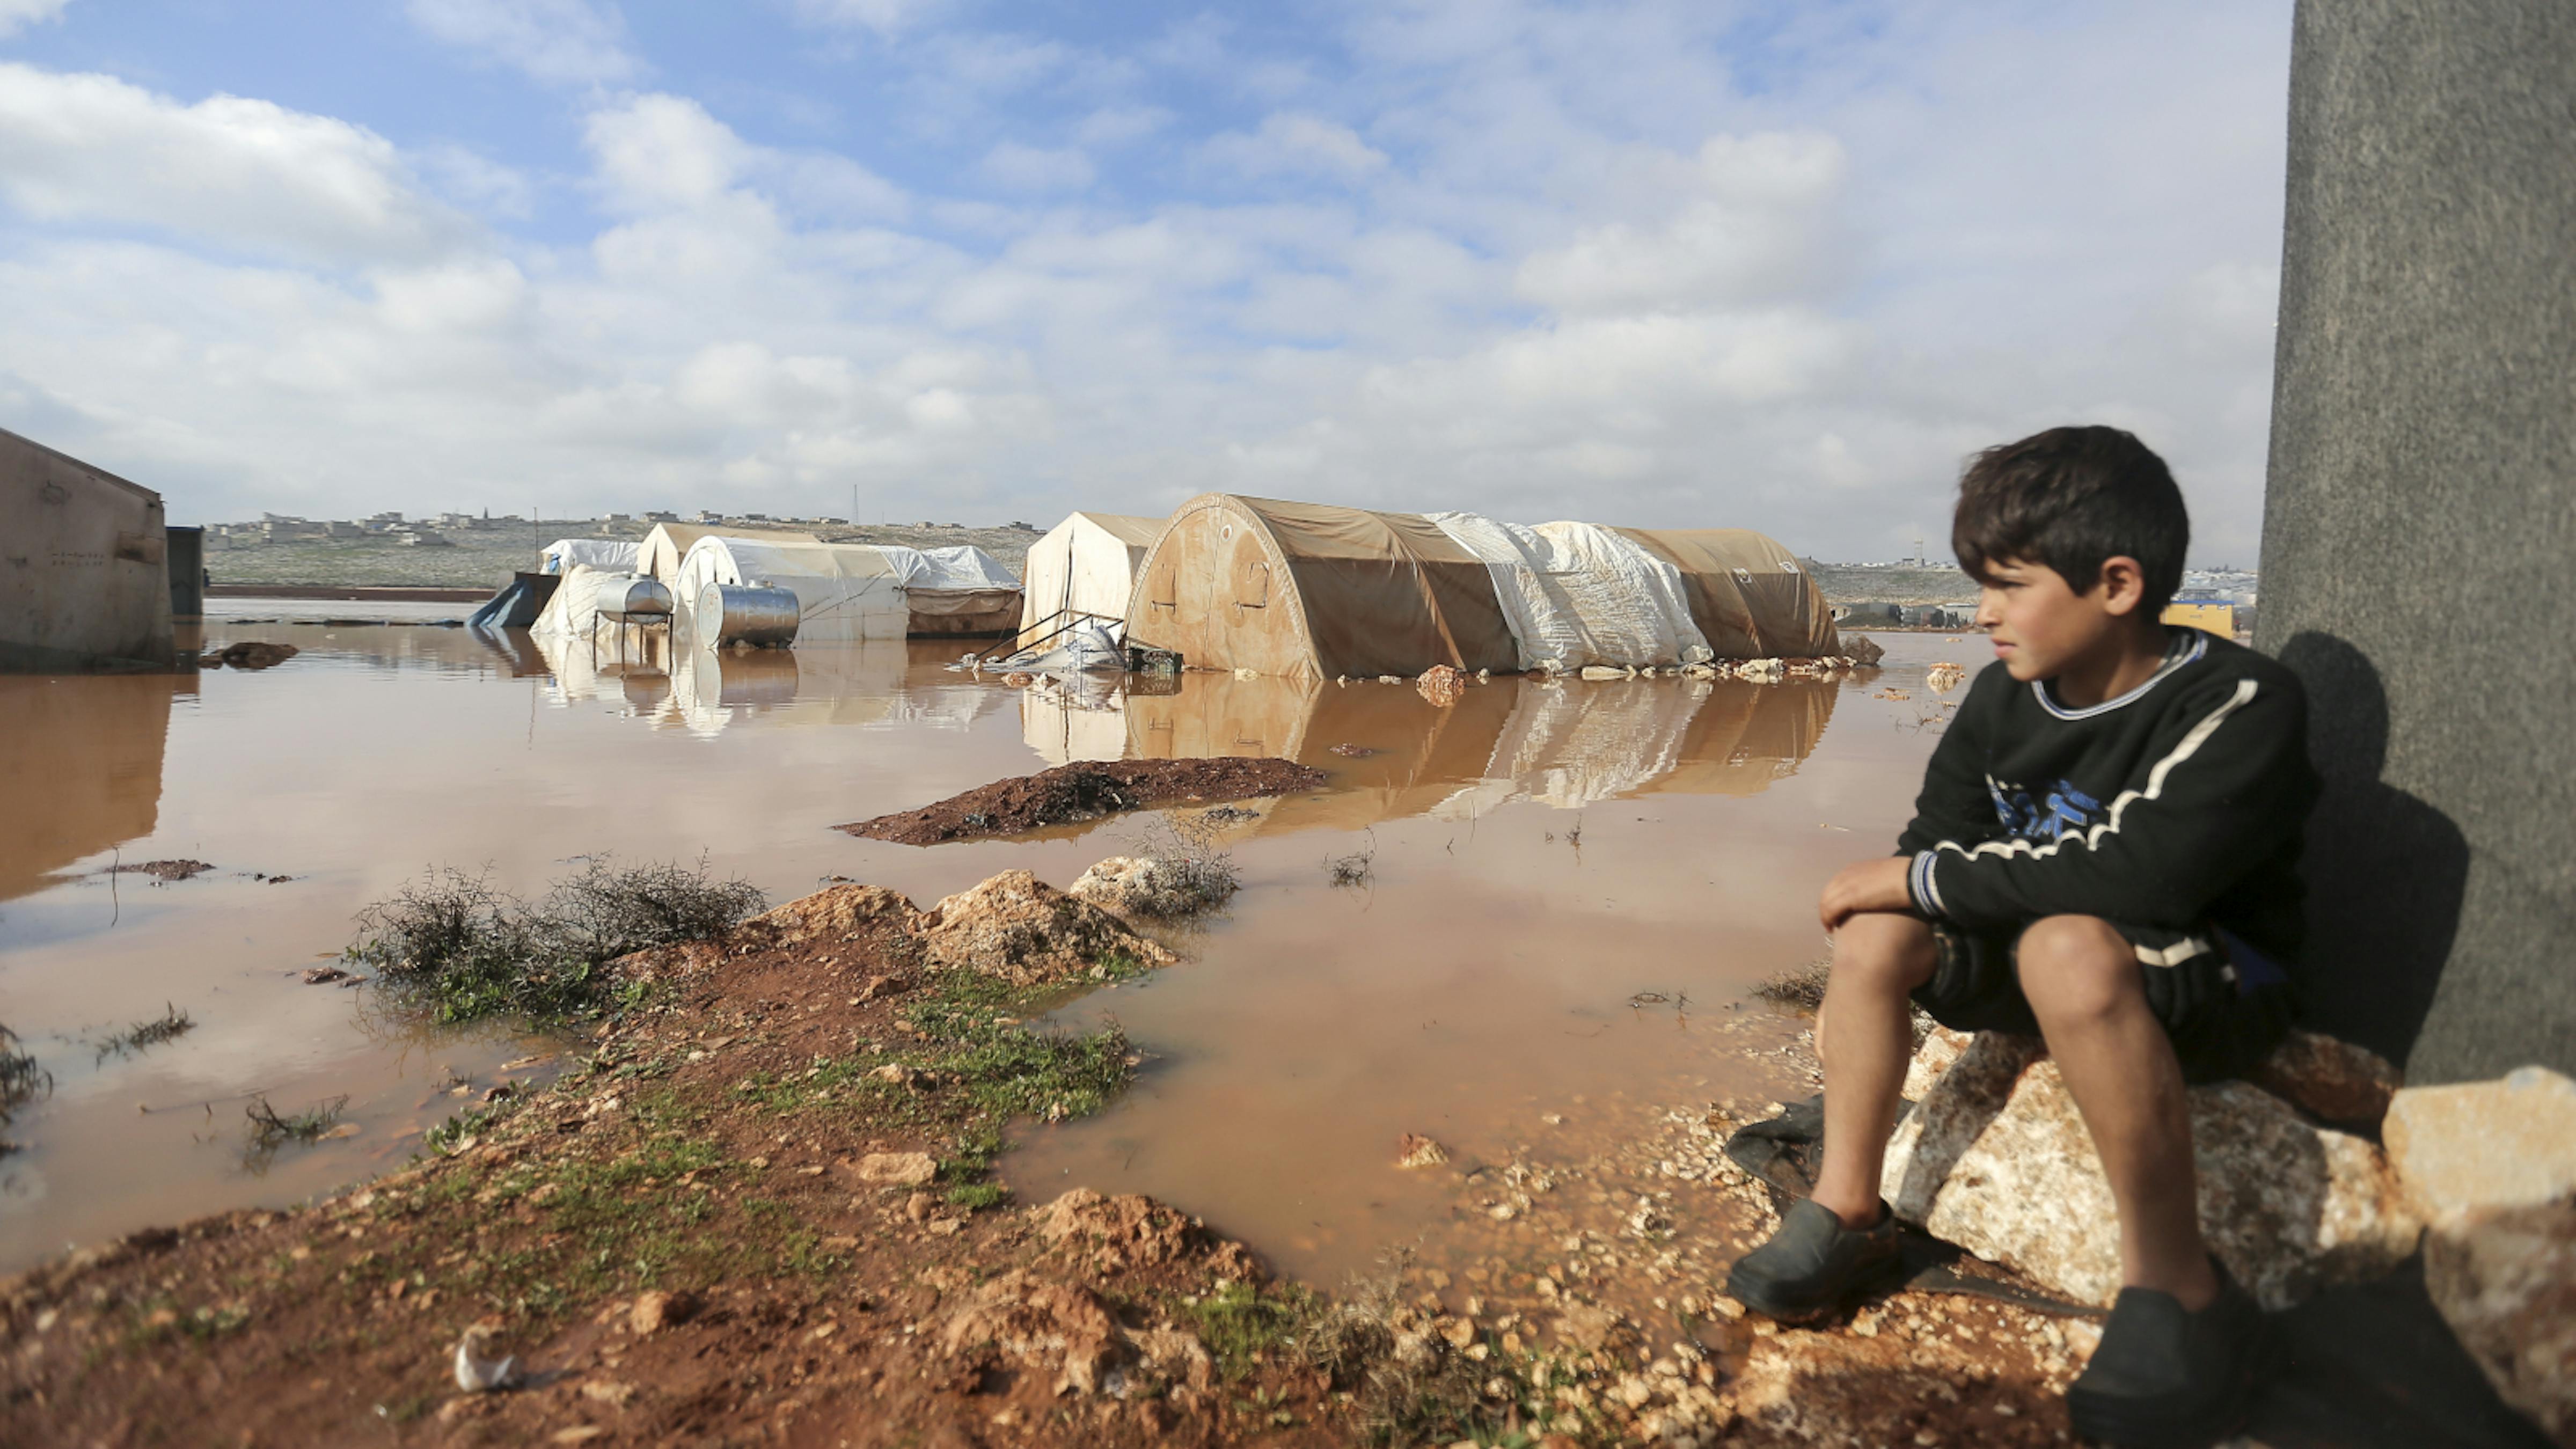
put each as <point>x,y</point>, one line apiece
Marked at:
<point>558,42</point>
<point>883,17</point>
<point>1755,223</point>
<point>234,171</point>
<point>16,15</point>
<point>1119,125</point>
<point>1289,144</point>
<point>1036,168</point>
<point>658,151</point>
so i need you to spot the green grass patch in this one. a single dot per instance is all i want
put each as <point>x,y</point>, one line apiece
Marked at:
<point>1242,1327</point>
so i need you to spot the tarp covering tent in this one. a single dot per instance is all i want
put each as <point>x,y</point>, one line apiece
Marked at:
<point>617,556</point>
<point>847,591</point>
<point>1579,594</point>
<point>659,554</point>
<point>1312,590</point>
<point>1087,563</point>
<point>518,603</point>
<point>957,592</point>
<point>1751,598</point>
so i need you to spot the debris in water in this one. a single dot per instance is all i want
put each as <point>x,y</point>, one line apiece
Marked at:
<point>1354,752</point>
<point>1442,685</point>
<point>163,871</point>
<point>253,654</point>
<point>476,1374</point>
<point>1416,1150</point>
<point>325,975</point>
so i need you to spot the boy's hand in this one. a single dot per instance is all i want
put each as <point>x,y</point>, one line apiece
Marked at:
<point>1872,885</point>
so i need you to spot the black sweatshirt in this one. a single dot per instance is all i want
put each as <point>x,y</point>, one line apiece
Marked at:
<point>2177,805</point>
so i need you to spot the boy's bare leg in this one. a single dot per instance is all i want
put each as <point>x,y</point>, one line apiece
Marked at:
<point>2081,977</point>
<point>1865,1035</point>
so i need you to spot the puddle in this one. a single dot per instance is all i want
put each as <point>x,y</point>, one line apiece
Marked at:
<point>1536,856</point>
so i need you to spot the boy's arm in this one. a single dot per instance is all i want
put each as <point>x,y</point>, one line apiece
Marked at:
<point>2223,783</point>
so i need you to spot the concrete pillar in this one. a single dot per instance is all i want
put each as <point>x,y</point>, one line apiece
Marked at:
<point>2420,524</point>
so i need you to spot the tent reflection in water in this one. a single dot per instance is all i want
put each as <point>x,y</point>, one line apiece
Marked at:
<point>1316,591</point>
<point>1563,744</point>
<point>1086,564</point>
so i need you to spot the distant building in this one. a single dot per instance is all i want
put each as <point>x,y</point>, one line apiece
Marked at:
<point>708,515</point>
<point>658,515</point>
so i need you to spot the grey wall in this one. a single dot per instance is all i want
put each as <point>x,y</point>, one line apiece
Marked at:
<point>83,583</point>
<point>2420,527</point>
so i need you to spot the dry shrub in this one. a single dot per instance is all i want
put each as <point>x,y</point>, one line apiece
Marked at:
<point>470,949</point>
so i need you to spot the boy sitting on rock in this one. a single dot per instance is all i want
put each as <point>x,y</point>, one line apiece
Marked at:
<point>2105,853</point>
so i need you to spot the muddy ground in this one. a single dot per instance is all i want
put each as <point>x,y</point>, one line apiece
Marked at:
<point>756,1211</point>
<point>1070,794</point>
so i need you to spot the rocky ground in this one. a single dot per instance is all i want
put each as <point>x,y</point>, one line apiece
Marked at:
<point>756,1211</point>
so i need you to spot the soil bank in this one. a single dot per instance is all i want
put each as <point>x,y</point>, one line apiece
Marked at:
<point>757,1212</point>
<point>1071,794</point>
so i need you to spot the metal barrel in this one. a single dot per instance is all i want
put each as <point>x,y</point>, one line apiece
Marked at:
<point>745,614</point>
<point>624,597</point>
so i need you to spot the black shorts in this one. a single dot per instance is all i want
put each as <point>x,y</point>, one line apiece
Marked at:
<point>2223,1004</point>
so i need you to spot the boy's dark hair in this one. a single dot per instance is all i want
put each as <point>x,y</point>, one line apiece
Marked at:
<point>2072,498</point>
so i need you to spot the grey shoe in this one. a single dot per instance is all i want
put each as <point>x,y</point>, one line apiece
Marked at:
<point>2166,1378</point>
<point>1813,1263</point>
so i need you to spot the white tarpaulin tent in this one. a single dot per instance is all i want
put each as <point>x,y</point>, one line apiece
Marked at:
<point>660,552</point>
<point>1088,562</point>
<point>1578,594</point>
<point>844,591</point>
<point>600,553</point>
<point>573,612</point>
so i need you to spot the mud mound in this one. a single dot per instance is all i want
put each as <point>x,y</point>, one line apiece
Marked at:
<point>1019,928</point>
<point>842,912</point>
<point>1120,1234</point>
<point>1070,794</point>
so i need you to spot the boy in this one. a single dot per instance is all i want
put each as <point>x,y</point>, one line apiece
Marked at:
<point>2105,853</point>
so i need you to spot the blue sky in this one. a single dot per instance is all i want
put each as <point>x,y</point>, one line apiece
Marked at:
<point>1664,262</point>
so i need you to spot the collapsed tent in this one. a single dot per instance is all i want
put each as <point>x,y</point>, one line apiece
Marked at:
<point>1318,591</point>
<point>1086,564</point>
<point>1312,590</point>
<point>614,555</point>
<point>851,591</point>
<point>659,555</point>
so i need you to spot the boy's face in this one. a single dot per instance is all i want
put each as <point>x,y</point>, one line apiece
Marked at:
<point>2040,624</point>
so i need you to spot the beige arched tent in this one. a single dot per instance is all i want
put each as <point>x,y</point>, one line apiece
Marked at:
<point>659,554</point>
<point>1749,596</point>
<point>1086,563</point>
<point>1313,591</point>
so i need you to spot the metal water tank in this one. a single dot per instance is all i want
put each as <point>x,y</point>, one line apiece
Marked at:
<point>746,614</point>
<point>625,597</point>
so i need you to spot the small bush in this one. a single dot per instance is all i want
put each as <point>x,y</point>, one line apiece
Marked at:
<point>1355,869</point>
<point>473,950</point>
<point>169,1025</point>
<point>270,1131</point>
<point>21,1080</point>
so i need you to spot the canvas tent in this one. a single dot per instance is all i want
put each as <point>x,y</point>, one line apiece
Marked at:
<point>1313,590</point>
<point>1751,598</point>
<point>1317,591</point>
<point>614,555</point>
<point>659,554</point>
<point>854,591</point>
<point>1086,563</point>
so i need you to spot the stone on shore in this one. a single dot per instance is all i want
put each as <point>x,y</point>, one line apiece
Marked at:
<point>1996,1159</point>
<point>1150,888</point>
<point>2510,1142</point>
<point>2504,1278</point>
<point>1027,932</point>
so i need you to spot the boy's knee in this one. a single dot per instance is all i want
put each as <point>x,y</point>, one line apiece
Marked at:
<point>1884,952</point>
<point>2076,966</point>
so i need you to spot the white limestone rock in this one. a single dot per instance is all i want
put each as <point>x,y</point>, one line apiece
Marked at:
<point>2510,1142</point>
<point>2504,1278</point>
<point>1996,1159</point>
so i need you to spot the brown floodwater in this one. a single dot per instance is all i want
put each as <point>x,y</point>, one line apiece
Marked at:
<point>1565,888</point>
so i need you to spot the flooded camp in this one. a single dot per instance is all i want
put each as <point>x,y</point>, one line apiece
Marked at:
<point>1320,591</point>
<point>1085,567</point>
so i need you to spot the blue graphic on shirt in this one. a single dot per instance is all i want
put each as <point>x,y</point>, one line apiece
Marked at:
<point>2060,810</point>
